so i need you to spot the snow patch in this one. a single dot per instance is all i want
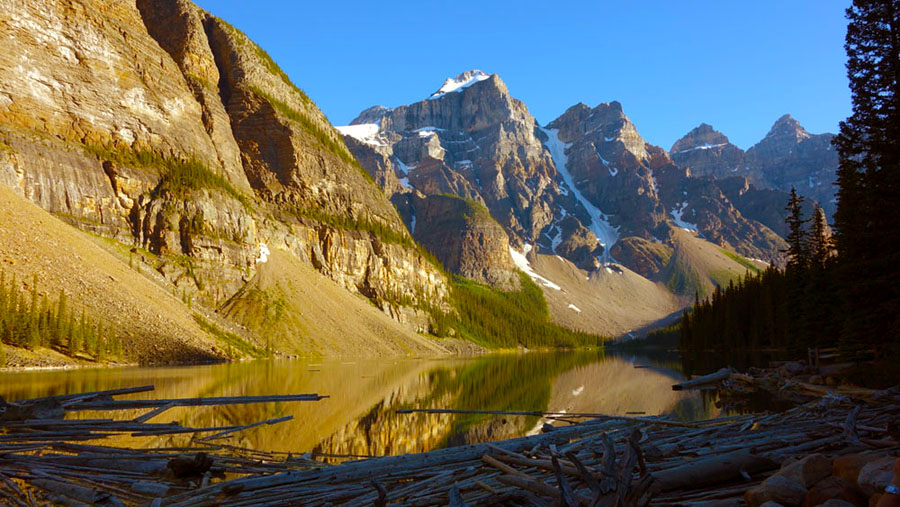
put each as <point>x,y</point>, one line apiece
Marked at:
<point>264,253</point>
<point>676,216</point>
<point>702,147</point>
<point>573,307</point>
<point>520,259</point>
<point>404,170</point>
<point>606,234</point>
<point>427,131</point>
<point>367,133</point>
<point>460,82</point>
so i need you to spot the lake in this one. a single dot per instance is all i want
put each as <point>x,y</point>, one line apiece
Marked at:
<point>359,418</point>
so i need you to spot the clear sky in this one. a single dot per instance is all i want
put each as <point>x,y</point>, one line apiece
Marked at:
<point>737,65</point>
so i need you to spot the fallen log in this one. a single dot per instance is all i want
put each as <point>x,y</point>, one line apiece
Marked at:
<point>712,470</point>
<point>712,378</point>
<point>190,402</point>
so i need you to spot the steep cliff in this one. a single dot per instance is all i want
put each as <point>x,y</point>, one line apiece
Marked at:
<point>473,140</point>
<point>478,248</point>
<point>162,127</point>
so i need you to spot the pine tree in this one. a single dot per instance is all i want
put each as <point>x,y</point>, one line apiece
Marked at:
<point>61,322</point>
<point>868,235</point>
<point>797,254</point>
<point>819,243</point>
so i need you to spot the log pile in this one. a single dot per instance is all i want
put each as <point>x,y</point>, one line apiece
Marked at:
<point>46,458</point>
<point>783,383</point>
<point>605,461</point>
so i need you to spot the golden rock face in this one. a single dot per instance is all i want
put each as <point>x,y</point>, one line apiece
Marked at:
<point>162,127</point>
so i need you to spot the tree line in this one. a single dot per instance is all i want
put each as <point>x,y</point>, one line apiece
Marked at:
<point>842,290</point>
<point>29,319</point>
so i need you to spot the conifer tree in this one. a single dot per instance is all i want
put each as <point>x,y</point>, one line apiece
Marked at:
<point>819,243</point>
<point>868,233</point>
<point>796,251</point>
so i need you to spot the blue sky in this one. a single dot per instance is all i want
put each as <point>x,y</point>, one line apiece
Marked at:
<point>672,64</point>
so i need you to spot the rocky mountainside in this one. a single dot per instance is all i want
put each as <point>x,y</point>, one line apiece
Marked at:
<point>161,127</point>
<point>586,187</point>
<point>787,157</point>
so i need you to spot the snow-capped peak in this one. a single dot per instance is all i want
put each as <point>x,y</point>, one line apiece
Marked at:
<point>460,82</point>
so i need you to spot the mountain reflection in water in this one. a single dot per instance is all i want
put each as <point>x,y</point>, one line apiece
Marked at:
<point>359,417</point>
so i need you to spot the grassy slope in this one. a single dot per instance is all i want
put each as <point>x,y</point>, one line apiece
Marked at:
<point>302,312</point>
<point>610,303</point>
<point>154,325</point>
<point>698,265</point>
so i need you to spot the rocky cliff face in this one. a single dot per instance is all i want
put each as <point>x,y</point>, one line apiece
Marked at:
<point>587,187</point>
<point>477,248</point>
<point>610,164</point>
<point>474,141</point>
<point>708,153</point>
<point>787,157</point>
<point>159,125</point>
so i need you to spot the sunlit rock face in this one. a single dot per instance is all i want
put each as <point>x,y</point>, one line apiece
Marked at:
<point>575,188</point>
<point>100,100</point>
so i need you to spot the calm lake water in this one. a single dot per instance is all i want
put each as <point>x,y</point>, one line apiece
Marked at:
<point>360,418</point>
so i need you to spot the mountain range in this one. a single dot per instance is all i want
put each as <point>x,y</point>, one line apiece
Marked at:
<point>164,140</point>
<point>587,189</point>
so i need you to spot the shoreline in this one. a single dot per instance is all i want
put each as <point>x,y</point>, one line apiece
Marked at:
<point>468,350</point>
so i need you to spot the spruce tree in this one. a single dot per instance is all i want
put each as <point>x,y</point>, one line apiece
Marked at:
<point>797,254</point>
<point>819,243</point>
<point>868,233</point>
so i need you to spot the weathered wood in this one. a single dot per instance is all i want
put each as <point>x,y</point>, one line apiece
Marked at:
<point>712,378</point>
<point>153,413</point>
<point>267,422</point>
<point>191,402</point>
<point>712,470</point>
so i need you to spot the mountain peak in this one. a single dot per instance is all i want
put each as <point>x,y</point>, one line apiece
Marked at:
<point>704,136</point>
<point>464,80</point>
<point>373,114</point>
<point>788,127</point>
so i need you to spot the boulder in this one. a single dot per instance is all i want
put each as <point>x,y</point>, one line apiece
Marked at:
<point>848,466</point>
<point>835,488</point>
<point>809,470</point>
<point>786,491</point>
<point>875,475</point>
